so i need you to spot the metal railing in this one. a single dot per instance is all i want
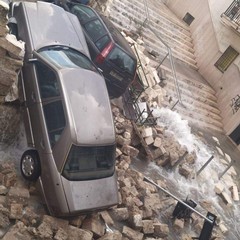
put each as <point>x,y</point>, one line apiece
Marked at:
<point>169,51</point>
<point>233,12</point>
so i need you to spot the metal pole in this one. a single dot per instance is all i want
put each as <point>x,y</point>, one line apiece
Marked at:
<point>202,168</point>
<point>186,205</point>
<point>220,176</point>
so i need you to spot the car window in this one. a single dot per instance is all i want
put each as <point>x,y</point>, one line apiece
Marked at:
<point>102,42</point>
<point>95,29</point>
<point>83,13</point>
<point>89,162</point>
<point>64,57</point>
<point>55,120</point>
<point>47,81</point>
<point>122,60</point>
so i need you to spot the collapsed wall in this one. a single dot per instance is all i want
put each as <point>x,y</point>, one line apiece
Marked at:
<point>11,60</point>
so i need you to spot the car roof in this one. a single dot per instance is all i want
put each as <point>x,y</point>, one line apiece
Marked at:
<point>51,25</point>
<point>88,103</point>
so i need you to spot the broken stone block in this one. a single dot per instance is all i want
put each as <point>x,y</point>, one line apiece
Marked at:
<point>107,218</point>
<point>234,191</point>
<point>55,223</point>
<point>30,217</point>
<point>115,111</point>
<point>226,198</point>
<point>178,224</point>
<point>232,171</point>
<point>122,141</point>
<point>3,190</point>
<point>219,187</point>
<point>127,135</point>
<point>174,157</point>
<point>118,152</point>
<point>129,150</point>
<point>185,170</point>
<point>132,234</point>
<point>125,158</point>
<point>77,221</point>
<point>152,201</point>
<point>147,132</point>
<point>10,179</point>
<point>78,233</point>
<point>45,231</point>
<point>157,142</point>
<point>95,225</point>
<point>223,228</point>
<point>18,195</point>
<point>120,214</point>
<point>16,211</point>
<point>137,221</point>
<point>149,140</point>
<point>61,235</point>
<point>120,119</point>
<point>148,227</point>
<point>123,165</point>
<point>130,191</point>
<point>112,236</point>
<point>161,230</point>
<point>15,48</point>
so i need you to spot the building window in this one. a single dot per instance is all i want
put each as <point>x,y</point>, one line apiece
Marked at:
<point>188,18</point>
<point>226,59</point>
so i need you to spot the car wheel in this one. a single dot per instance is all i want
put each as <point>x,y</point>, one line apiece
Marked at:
<point>30,165</point>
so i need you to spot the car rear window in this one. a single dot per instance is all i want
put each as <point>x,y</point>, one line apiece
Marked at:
<point>95,29</point>
<point>64,57</point>
<point>85,163</point>
<point>122,60</point>
<point>83,13</point>
<point>102,42</point>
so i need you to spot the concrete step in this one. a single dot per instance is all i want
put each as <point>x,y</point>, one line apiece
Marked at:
<point>194,105</point>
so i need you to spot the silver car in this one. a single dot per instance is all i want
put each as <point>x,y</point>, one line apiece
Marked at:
<point>67,112</point>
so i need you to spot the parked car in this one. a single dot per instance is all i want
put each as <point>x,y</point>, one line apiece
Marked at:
<point>67,113</point>
<point>108,48</point>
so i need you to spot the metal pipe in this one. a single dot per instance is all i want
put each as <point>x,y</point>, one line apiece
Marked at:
<point>230,165</point>
<point>204,165</point>
<point>179,200</point>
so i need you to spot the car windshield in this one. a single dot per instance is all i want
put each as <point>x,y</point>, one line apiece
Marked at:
<point>83,13</point>
<point>122,60</point>
<point>86,163</point>
<point>65,57</point>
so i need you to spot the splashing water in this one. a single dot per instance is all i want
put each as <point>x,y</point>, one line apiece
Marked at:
<point>201,187</point>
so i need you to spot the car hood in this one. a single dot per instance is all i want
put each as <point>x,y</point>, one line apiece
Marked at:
<point>90,195</point>
<point>89,105</point>
<point>46,22</point>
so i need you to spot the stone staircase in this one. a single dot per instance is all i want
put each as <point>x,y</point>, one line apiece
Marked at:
<point>199,103</point>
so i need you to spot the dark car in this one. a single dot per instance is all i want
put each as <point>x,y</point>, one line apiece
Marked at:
<point>108,48</point>
<point>67,113</point>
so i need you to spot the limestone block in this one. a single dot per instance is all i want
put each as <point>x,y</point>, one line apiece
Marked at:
<point>226,198</point>
<point>147,132</point>
<point>232,171</point>
<point>129,150</point>
<point>120,119</point>
<point>111,236</point>
<point>152,201</point>
<point>115,111</point>
<point>61,235</point>
<point>16,211</point>
<point>178,224</point>
<point>185,170</point>
<point>223,228</point>
<point>78,233</point>
<point>157,142</point>
<point>122,141</point>
<point>15,48</point>
<point>123,165</point>
<point>159,152</point>
<point>174,157</point>
<point>137,221</point>
<point>120,214</point>
<point>130,191</point>
<point>94,224</point>
<point>137,201</point>
<point>155,75</point>
<point>149,140</point>
<point>3,190</point>
<point>107,218</point>
<point>234,191</point>
<point>18,195</point>
<point>55,223</point>
<point>161,230</point>
<point>45,231</point>
<point>118,152</point>
<point>127,135</point>
<point>148,227</point>
<point>132,234</point>
<point>219,187</point>
<point>10,179</point>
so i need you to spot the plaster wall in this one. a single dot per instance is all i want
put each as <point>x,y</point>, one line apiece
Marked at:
<point>211,38</point>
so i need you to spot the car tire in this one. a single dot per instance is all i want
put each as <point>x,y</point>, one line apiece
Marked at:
<point>30,165</point>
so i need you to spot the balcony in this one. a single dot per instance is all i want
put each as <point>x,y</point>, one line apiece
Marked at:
<point>231,17</point>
